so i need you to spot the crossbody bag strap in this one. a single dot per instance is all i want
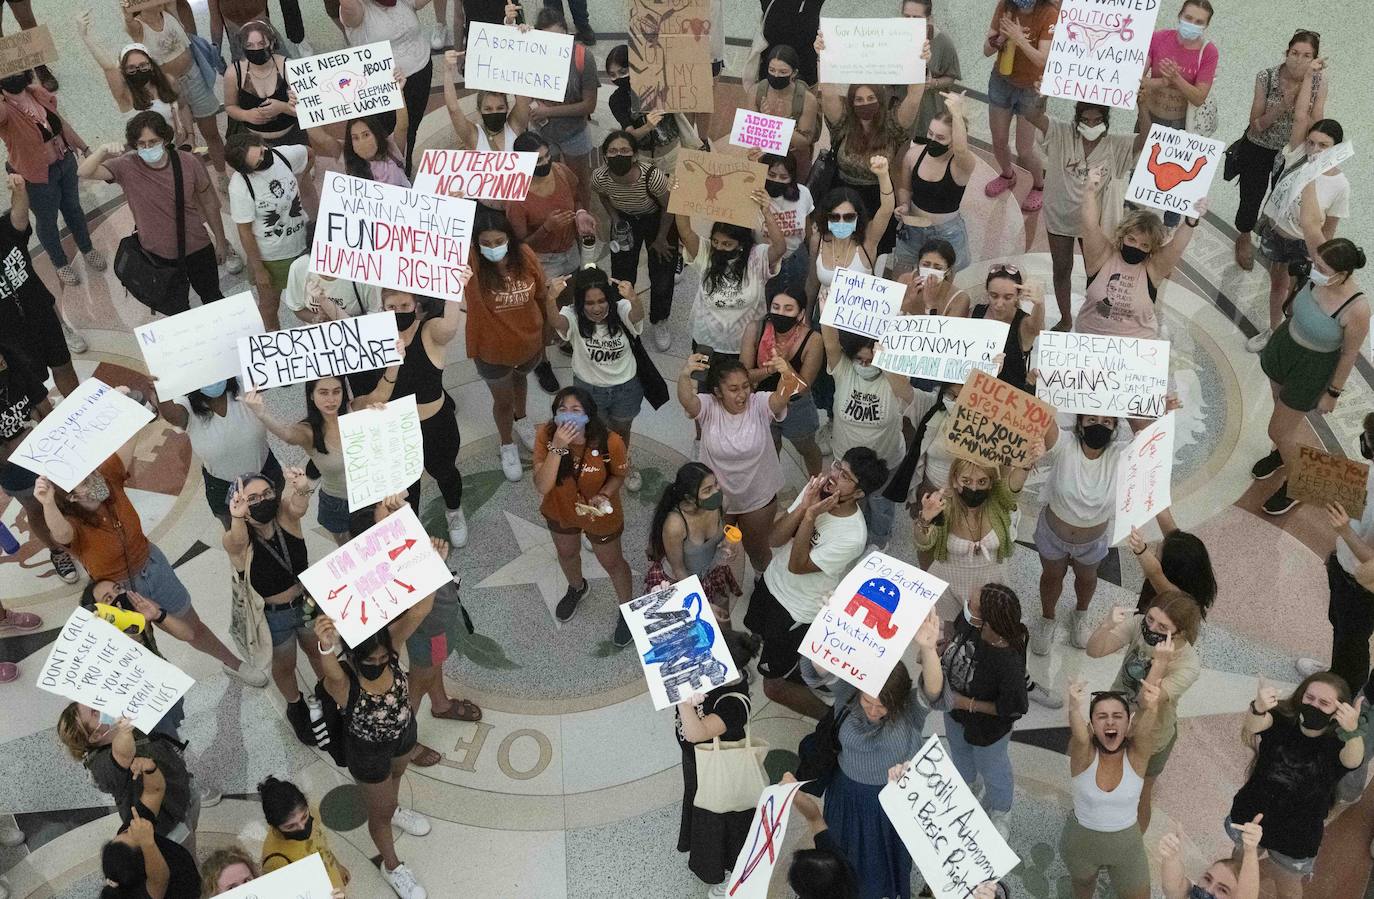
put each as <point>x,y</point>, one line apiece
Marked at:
<point>179,192</point>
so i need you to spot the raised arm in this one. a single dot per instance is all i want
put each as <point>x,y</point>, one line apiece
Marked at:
<point>444,327</point>
<point>1348,729</point>
<point>772,234</point>
<point>910,108</point>
<point>155,871</point>
<point>58,526</point>
<point>691,241</point>
<point>295,434</point>
<point>1166,258</point>
<point>1080,733</point>
<point>830,337</point>
<point>1149,562</point>
<point>92,168</point>
<point>335,680</point>
<point>19,203</point>
<point>1173,881</point>
<point>295,497</point>
<point>1103,642</point>
<point>687,395</point>
<point>832,98</point>
<point>464,130</point>
<point>1259,714</point>
<point>1096,245</point>
<point>114,80</point>
<point>873,235</point>
<point>964,159</point>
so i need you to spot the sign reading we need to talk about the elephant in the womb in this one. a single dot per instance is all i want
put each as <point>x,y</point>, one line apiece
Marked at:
<point>863,630</point>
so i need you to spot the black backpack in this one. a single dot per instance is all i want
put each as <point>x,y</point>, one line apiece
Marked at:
<point>330,731</point>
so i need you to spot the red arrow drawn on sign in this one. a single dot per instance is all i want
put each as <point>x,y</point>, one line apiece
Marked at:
<point>364,615</point>
<point>337,590</point>
<point>408,588</point>
<point>343,614</point>
<point>396,551</point>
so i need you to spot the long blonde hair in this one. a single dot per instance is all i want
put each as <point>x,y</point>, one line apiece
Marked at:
<point>956,510</point>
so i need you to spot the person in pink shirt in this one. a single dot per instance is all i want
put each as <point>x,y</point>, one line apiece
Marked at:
<point>1182,66</point>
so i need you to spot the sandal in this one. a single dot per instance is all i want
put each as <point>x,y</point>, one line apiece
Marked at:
<point>1034,200</point>
<point>460,710</point>
<point>424,757</point>
<point>999,185</point>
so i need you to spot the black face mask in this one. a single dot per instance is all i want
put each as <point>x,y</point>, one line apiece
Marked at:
<point>15,84</point>
<point>371,671</point>
<point>779,82</point>
<point>266,162</point>
<point>1150,637</point>
<point>936,149</point>
<point>122,601</point>
<point>1097,436</point>
<point>541,170</point>
<point>1313,718</point>
<point>619,165</point>
<point>782,323</point>
<point>259,57</point>
<point>139,78</point>
<point>1197,892</point>
<point>723,257</point>
<point>775,189</point>
<point>1366,447</point>
<point>1133,255</point>
<point>494,121</point>
<point>302,834</point>
<point>973,498</point>
<point>622,82</point>
<point>264,510</point>
<point>404,320</point>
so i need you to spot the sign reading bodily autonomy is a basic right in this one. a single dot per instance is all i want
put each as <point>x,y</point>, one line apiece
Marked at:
<point>1143,477</point>
<point>306,878</point>
<point>678,642</point>
<point>941,347</point>
<point>769,133</point>
<point>1326,478</point>
<point>1093,374</point>
<point>344,84</point>
<point>96,664</point>
<point>993,423</point>
<point>1175,170</point>
<point>950,837</point>
<point>475,174</point>
<point>862,303</point>
<point>328,350</point>
<point>83,431</point>
<point>872,51</point>
<point>382,450</point>
<point>1099,51</point>
<point>506,60</point>
<point>870,619</point>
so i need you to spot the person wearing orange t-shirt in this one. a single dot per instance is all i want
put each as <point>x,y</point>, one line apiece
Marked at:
<point>1019,36</point>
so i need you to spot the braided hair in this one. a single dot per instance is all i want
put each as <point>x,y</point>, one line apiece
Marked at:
<point>1000,610</point>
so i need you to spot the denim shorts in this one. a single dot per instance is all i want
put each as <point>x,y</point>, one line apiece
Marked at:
<point>332,513</point>
<point>619,402</point>
<point>1300,866</point>
<point>284,620</point>
<point>910,238</point>
<point>159,582</point>
<point>198,96</point>
<point>1052,547</point>
<point>1275,247</point>
<point>802,420</point>
<point>1005,95</point>
<point>558,265</point>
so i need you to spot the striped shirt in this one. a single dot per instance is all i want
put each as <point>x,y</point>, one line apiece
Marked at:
<point>868,749</point>
<point>637,197</point>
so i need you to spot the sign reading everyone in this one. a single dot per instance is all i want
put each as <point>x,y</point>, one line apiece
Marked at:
<point>383,451</point>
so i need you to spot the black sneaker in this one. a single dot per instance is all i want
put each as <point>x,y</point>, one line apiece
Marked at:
<point>622,636</point>
<point>567,606</point>
<point>585,35</point>
<point>1280,501</point>
<point>1267,466</point>
<point>548,381</point>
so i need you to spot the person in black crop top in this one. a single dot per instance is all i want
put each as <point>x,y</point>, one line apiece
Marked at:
<point>1007,289</point>
<point>930,196</point>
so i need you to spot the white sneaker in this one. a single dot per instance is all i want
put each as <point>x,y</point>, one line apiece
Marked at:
<point>1259,341</point>
<point>823,438</point>
<point>233,263</point>
<point>411,821</point>
<point>1079,629</point>
<point>524,432</point>
<point>11,836</point>
<point>4,888</point>
<point>719,890</point>
<point>439,37</point>
<point>634,480</point>
<point>246,674</point>
<point>1308,667</point>
<point>510,462</point>
<point>1041,695</point>
<point>75,342</point>
<point>999,823</point>
<point>403,882</point>
<point>663,341</point>
<point>457,528</point>
<point>210,798</point>
<point>1042,634</point>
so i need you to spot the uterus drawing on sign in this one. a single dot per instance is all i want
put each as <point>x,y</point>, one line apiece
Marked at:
<point>1092,34</point>
<point>1168,175</point>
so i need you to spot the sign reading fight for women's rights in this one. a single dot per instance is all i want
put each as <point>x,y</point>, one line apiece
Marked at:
<point>501,58</point>
<point>327,350</point>
<point>383,451</point>
<point>84,430</point>
<point>1143,476</point>
<point>950,837</point>
<point>392,237</point>
<point>763,846</point>
<point>475,174</point>
<point>873,51</point>
<point>345,84</point>
<point>870,619</point>
<point>769,133</point>
<point>303,879</point>
<point>100,666</point>
<point>1099,50</point>
<point>862,303</point>
<point>376,576</point>
<point>1092,374</point>
<point>941,347</point>
<point>1325,478</point>
<point>678,642</point>
<point>1175,170</point>
<point>993,423</point>
<point>198,346</point>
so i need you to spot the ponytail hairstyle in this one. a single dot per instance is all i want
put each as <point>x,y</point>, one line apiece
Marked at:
<point>1000,610</point>
<point>124,872</point>
<point>684,488</point>
<point>1342,256</point>
<point>280,800</point>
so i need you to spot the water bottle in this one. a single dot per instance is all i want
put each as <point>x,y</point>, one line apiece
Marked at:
<point>317,725</point>
<point>622,237</point>
<point>7,541</point>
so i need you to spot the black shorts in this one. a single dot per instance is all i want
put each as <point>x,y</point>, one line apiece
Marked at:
<point>370,763</point>
<point>38,335</point>
<point>782,636</point>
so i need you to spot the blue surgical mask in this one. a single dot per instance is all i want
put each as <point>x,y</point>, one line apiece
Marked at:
<point>107,719</point>
<point>842,229</point>
<point>970,617</point>
<point>214,390</point>
<point>1189,31</point>
<point>577,419</point>
<point>152,155</point>
<point>495,254</point>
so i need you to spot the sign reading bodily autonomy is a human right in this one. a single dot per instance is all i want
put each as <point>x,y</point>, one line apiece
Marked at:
<point>328,350</point>
<point>1099,51</point>
<point>506,60</point>
<point>344,84</point>
<point>83,431</point>
<point>1175,170</point>
<point>678,642</point>
<point>1093,374</point>
<point>862,303</point>
<point>941,347</point>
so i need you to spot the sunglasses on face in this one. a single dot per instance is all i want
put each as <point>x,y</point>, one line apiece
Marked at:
<point>843,217</point>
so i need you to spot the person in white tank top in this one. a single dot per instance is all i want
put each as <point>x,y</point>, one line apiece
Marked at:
<point>502,122</point>
<point>1108,755</point>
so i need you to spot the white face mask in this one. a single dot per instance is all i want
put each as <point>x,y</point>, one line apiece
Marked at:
<point>929,272</point>
<point>1092,132</point>
<point>1319,277</point>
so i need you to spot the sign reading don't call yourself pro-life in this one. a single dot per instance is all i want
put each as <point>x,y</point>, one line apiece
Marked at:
<point>382,450</point>
<point>678,642</point>
<point>1093,374</point>
<point>1099,50</point>
<point>941,347</point>
<point>861,303</point>
<point>994,423</point>
<point>1326,478</point>
<point>506,60</point>
<point>327,350</point>
<point>344,84</point>
<point>1175,170</point>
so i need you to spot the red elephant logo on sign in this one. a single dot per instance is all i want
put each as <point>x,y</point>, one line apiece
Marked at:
<point>878,597</point>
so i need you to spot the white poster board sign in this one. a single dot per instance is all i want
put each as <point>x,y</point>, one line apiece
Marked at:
<point>769,133</point>
<point>862,303</point>
<point>94,663</point>
<point>380,234</point>
<point>376,576</point>
<point>1092,374</point>
<point>870,619</point>
<point>383,451</point>
<point>531,64</point>
<point>1142,477</point>
<point>1289,189</point>
<point>304,879</point>
<point>84,430</point>
<point>873,51</point>
<point>942,825</point>
<point>941,347</point>
<point>762,847</point>
<point>328,350</point>
<point>1175,170</point>
<point>1099,50</point>
<point>475,174</point>
<point>344,84</point>
<point>678,642</point>
<point>199,346</point>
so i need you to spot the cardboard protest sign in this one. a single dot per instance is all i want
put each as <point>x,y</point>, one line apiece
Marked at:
<point>383,452</point>
<point>304,879</point>
<point>136,6</point>
<point>1099,50</point>
<point>199,346</point>
<point>389,236</point>
<point>26,49</point>
<point>345,84</point>
<point>1142,477</point>
<point>873,51</point>
<point>84,430</point>
<point>1323,478</point>
<point>1092,374</point>
<point>670,55</point>
<point>993,423</point>
<point>717,187</point>
<point>530,64</point>
<point>475,174</point>
<point>376,576</point>
<point>870,619</point>
<point>327,350</point>
<point>98,665</point>
<point>769,133</point>
<point>678,642</point>
<point>861,303</point>
<point>759,855</point>
<point>940,347</point>
<point>1175,170</point>
<point>1290,188</point>
<point>950,837</point>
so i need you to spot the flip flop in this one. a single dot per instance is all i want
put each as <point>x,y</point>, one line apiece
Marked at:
<point>424,757</point>
<point>20,621</point>
<point>460,710</point>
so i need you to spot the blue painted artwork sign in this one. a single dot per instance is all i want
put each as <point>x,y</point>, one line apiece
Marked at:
<point>678,642</point>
